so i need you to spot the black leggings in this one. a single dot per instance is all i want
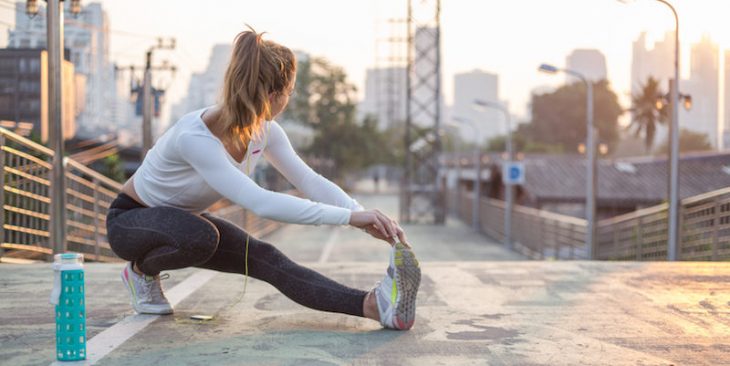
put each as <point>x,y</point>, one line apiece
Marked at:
<point>165,238</point>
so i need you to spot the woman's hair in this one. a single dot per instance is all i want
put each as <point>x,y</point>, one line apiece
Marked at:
<point>257,68</point>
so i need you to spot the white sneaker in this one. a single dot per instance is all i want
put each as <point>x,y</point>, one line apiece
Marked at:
<point>146,292</point>
<point>396,293</point>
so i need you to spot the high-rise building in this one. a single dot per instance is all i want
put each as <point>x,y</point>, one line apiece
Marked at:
<point>86,36</point>
<point>703,86</point>
<point>589,62</point>
<point>726,126</point>
<point>385,95</point>
<point>656,61</point>
<point>477,84</point>
<point>425,77</point>
<point>204,88</point>
<point>24,92</point>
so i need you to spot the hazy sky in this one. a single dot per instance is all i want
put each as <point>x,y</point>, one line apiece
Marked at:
<point>507,37</point>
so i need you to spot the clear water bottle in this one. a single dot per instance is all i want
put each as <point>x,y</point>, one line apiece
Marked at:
<point>68,296</point>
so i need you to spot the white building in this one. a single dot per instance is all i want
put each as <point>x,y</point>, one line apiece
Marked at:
<point>726,127</point>
<point>424,79</point>
<point>385,95</point>
<point>477,84</point>
<point>657,61</point>
<point>703,86</point>
<point>589,62</point>
<point>204,88</point>
<point>86,36</point>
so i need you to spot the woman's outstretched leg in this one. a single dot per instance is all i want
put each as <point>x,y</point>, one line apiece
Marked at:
<point>303,285</point>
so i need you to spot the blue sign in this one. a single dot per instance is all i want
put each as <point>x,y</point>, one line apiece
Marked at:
<point>513,173</point>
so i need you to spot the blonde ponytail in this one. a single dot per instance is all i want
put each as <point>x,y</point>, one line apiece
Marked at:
<point>257,69</point>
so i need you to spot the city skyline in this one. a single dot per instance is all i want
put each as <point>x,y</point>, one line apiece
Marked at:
<point>349,41</point>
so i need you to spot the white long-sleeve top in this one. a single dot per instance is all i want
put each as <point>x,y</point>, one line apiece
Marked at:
<point>190,169</point>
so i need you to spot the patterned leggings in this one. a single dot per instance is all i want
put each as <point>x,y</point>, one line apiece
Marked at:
<point>165,238</point>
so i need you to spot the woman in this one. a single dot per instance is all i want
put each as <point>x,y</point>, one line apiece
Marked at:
<point>159,222</point>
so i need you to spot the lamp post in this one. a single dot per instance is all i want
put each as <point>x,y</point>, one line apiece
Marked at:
<point>509,189</point>
<point>457,203</point>
<point>478,172</point>
<point>673,237</point>
<point>591,155</point>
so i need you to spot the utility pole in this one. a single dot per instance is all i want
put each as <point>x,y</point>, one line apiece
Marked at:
<point>54,34</point>
<point>147,98</point>
<point>146,91</point>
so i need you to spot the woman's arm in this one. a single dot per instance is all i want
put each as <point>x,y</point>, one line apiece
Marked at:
<point>208,157</point>
<point>280,153</point>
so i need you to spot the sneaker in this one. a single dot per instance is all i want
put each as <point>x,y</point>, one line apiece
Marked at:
<point>396,293</point>
<point>146,292</point>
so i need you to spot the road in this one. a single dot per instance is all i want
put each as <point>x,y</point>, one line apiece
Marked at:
<point>478,305</point>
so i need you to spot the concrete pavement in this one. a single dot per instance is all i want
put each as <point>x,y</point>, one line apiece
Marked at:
<point>478,305</point>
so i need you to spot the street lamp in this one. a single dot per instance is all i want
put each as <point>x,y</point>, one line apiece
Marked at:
<point>673,242</point>
<point>509,190</point>
<point>591,154</point>
<point>457,152</point>
<point>478,170</point>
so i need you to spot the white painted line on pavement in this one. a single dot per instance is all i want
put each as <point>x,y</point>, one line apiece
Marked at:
<point>327,250</point>
<point>105,342</point>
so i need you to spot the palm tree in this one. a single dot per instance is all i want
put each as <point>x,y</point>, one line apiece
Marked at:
<point>648,108</point>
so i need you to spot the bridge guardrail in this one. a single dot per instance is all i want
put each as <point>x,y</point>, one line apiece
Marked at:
<point>25,201</point>
<point>640,235</point>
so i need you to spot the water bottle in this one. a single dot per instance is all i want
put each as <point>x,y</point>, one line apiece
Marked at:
<point>68,296</point>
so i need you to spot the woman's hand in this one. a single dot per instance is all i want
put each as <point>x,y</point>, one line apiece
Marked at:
<point>379,226</point>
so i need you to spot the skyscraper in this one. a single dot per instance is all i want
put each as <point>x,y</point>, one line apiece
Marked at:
<point>589,62</point>
<point>656,61</point>
<point>385,95</point>
<point>204,88</point>
<point>703,86</point>
<point>726,127</point>
<point>87,39</point>
<point>477,84</point>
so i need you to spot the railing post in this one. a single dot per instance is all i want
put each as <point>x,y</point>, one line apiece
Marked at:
<point>2,194</point>
<point>680,232</point>
<point>571,247</point>
<point>615,239</point>
<point>715,225</point>
<point>639,237</point>
<point>542,230</point>
<point>97,247</point>
<point>558,239</point>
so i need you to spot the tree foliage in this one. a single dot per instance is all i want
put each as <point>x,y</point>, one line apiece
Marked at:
<point>646,114</point>
<point>688,141</point>
<point>324,100</point>
<point>559,117</point>
<point>113,168</point>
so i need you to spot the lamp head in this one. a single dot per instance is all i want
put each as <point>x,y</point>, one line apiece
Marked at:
<point>31,8</point>
<point>460,119</point>
<point>546,68</point>
<point>75,7</point>
<point>483,104</point>
<point>687,102</point>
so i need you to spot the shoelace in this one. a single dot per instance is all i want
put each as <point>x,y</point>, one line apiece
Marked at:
<point>154,288</point>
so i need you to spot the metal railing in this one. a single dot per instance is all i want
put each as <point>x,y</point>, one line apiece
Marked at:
<point>704,231</point>
<point>25,200</point>
<point>536,233</point>
<point>25,204</point>
<point>641,235</point>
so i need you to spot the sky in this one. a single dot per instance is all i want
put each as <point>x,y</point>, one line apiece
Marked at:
<point>509,38</point>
